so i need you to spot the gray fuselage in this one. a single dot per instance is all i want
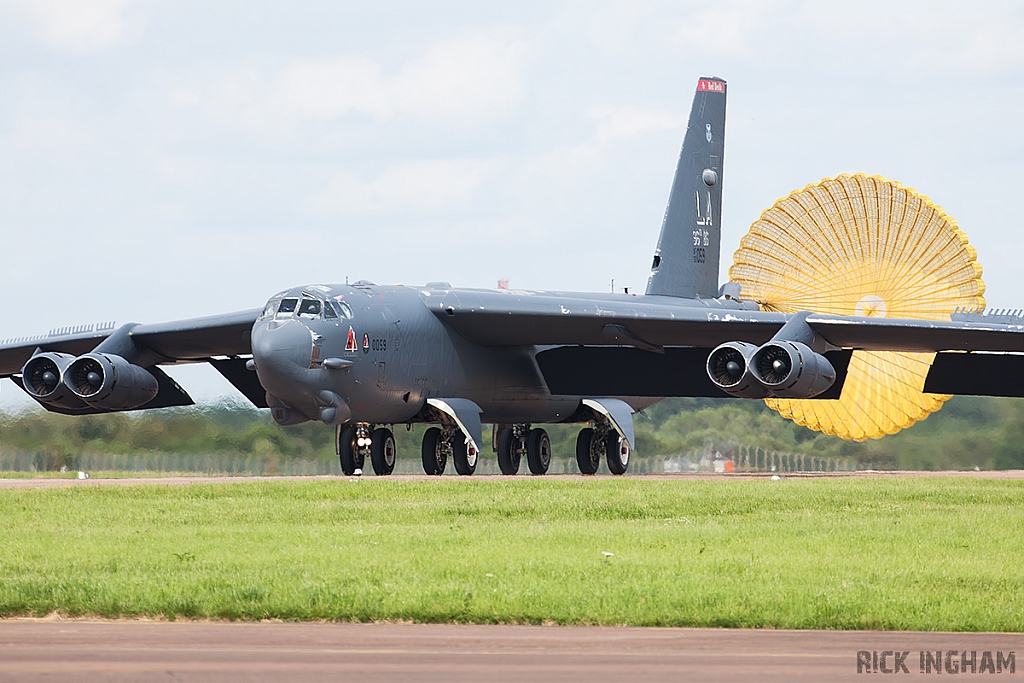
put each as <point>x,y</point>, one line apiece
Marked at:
<point>395,353</point>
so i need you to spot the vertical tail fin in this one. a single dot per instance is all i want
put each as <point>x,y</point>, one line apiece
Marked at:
<point>686,261</point>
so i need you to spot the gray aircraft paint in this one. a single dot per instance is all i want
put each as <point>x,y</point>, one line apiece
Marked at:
<point>686,261</point>
<point>420,354</point>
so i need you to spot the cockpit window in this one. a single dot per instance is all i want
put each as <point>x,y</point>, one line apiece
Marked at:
<point>344,309</point>
<point>309,308</point>
<point>268,312</point>
<point>329,311</point>
<point>286,308</point>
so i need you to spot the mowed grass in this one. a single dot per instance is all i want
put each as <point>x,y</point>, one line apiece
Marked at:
<point>929,554</point>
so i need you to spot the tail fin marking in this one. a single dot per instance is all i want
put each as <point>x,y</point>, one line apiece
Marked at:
<point>686,260</point>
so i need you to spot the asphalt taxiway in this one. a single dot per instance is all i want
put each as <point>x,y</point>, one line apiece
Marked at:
<point>186,652</point>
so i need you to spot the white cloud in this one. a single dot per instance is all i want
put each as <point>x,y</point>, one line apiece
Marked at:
<point>48,132</point>
<point>428,185</point>
<point>615,125</point>
<point>470,80</point>
<point>728,28</point>
<point>83,25</point>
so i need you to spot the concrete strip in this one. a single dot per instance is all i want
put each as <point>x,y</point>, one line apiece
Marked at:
<point>49,482</point>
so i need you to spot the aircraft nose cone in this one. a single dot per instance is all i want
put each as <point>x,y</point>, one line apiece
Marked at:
<point>288,345</point>
<point>281,351</point>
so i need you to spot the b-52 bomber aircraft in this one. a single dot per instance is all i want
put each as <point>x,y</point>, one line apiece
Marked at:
<point>364,357</point>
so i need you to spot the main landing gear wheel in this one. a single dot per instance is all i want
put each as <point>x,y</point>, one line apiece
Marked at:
<point>435,452</point>
<point>588,451</point>
<point>382,451</point>
<point>617,452</point>
<point>538,451</point>
<point>509,455</point>
<point>464,455</point>
<point>350,456</point>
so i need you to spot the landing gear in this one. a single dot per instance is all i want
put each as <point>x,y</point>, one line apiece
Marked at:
<point>382,451</point>
<point>354,443</point>
<point>350,455</point>
<point>511,444</point>
<point>435,452</point>
<point>538,451</point>
<point>602,440</point>
<point>463,454</point>
<point>617,452</point>
<point>441,443</point>
<point>517,440</point>
<point>588,451</point>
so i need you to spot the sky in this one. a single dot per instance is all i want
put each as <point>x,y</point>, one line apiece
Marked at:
<point>165,160</point>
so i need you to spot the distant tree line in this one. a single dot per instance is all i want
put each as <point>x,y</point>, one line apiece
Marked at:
<point>968,432</point>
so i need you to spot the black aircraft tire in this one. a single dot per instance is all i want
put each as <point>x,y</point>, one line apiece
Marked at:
<point>434,457</point>
<point>347,451</point>
<point>538,451</point>
<point>616,452</point>
<point>586,457</point>
<point>382,452</point>
<point>508,454</point>
<point>464,464</point>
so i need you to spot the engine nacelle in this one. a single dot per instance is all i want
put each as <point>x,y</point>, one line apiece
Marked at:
<point>791,370</point>
<point>729,368</point>
<point>43,379</point>
<point>110,382</point>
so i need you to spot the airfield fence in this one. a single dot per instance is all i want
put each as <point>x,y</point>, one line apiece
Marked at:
<point>707,459</point>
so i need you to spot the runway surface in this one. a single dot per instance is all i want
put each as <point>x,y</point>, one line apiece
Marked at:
<point>186,652</point>
<point>44,482</point>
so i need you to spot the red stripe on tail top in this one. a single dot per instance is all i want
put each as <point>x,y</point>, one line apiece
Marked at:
<point>710,86</point>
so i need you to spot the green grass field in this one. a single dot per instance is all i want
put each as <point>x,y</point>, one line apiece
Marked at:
<point>929,554</point>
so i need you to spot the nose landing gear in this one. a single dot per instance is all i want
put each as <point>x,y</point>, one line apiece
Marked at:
<point>382,451</point>
<point>354,443</point>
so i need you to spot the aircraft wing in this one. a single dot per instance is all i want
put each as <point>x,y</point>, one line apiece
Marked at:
<point>497,319</point>
<point>192,340</point>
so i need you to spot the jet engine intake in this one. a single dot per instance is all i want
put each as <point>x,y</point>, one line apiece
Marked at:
<point>789,369</point>
<point>110,382</point>
<point>43,377</point>
<point>729,368</point>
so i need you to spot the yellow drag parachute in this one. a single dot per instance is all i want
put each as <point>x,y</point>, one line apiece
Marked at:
<point>861,245</point>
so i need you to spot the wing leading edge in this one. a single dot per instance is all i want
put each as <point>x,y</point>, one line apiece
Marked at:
<point>191,340</point>
<point>219,340</point>
<point>495,318</point>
